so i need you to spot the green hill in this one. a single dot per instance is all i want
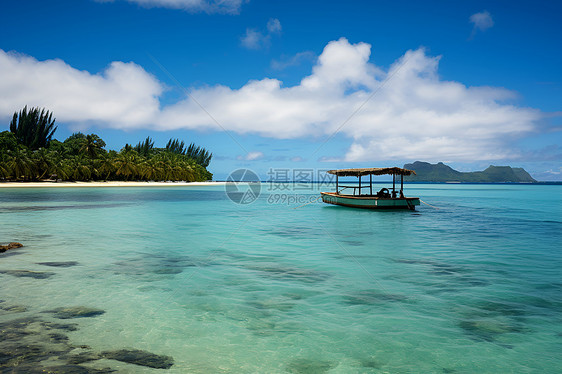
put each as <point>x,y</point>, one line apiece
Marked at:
<point>426,172</point>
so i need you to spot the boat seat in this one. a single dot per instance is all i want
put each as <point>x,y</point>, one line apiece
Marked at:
<point>383,193</point>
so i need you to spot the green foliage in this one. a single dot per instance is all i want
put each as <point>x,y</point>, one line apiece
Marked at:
<point>175,146</point>
<point>199,154</point>
<point>92,146</point>
<point>145,148</point>
<point>33,128</point>
<point>8,141</point>
<point>73,144</point>
<point>83,157</point>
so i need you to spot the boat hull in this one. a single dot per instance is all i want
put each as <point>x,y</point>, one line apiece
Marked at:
<point>370,202</point>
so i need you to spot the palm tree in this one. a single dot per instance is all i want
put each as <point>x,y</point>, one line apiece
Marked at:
<point>43,160</point>
<point>105,165</point>
<point>199,154</point>
<point>79,168</point>
<point>175,146</point>
<point>4,169</point>
<point>92,145</point>
<point>20,164</point>
<point>152,169</point>
<point>33,128</point>
<point>126,164</point>
<point>62,169</point>
<point>145,148</point>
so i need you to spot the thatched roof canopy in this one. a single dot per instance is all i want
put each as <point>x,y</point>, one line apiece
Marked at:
<point>370,171</point>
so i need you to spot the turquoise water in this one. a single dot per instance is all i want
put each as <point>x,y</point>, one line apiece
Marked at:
<point>474,286</point>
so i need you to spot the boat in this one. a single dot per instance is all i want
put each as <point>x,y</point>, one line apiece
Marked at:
<point>382,199</point>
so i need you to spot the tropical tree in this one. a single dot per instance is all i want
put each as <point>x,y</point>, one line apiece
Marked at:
<point>92,145</point>
<point>20,164</point>
<point>126,164</point>
<point>199,154</point>
<point>152,169</point>
<point>176,146</point>
<point>145,148</point>
<point>33,128</point>
<point>78,168</point>
<point>44,161</point>
<point>74,144</point>
<point>105,165</point>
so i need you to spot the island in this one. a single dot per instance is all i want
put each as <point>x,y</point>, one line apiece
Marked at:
<point>441,173</point>
<point>29,153</point>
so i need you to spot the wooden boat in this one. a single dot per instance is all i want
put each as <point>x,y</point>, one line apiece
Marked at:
<point>383,199</point>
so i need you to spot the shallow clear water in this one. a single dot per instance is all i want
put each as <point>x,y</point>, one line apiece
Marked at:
<point>472,287</point>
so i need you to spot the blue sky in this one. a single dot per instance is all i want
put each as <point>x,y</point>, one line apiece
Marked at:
<point>292,84</point>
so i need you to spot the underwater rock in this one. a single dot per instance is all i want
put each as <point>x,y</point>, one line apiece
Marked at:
<point>373,297</point>
<point>83,357</point>
<point>60,369</point>
<point>28,274</point>
<point>371,364</point>
<point>290,273</point>
<point>308,366</point>
<point>16,329</point>
<point>15,354</point>
<point>58,338</point>
<point>140,357</point>
<point>29,346</point>
<point>156,266</point>
<point>64,264</point>
<point>75,312</point>
<point>488,329</point>
<point>12,245</point>
<point>13,308</point>
<point>271,305</point>
<point>60,326</point>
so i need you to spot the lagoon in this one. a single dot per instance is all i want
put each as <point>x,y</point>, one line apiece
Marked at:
<point>474,286</point>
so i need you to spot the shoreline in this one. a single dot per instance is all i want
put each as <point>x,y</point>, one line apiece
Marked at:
<point>106,184</point>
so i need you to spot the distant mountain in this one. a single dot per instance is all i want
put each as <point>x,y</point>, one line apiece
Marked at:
<point>426,172</point>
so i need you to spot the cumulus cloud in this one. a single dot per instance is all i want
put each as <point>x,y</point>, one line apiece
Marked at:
<point>482,21</point>
<point>208,6</point>
<point>254,39</point>
<point>123,96</point>
<point>404,112</point>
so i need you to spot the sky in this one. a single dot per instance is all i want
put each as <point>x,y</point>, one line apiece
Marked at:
<point>270,85</point>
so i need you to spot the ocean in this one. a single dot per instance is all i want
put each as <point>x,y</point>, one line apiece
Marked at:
<point>471,283</point>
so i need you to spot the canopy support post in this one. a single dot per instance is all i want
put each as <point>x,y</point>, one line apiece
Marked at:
<point>401,185</point>
<point>394,186</point>
<point>371,184</point>
<point>337,185</point>
<point>359,184</point>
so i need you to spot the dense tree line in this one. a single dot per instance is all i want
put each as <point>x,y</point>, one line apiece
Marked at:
<point>28,152</point>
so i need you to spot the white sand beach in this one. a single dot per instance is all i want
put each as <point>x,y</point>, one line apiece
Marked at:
<point>106,184</point>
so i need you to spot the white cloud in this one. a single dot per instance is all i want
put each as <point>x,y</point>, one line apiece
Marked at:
<point>208,6</point>
<point>482,21</point>
<point>123,96</point>
<point>251,156</point>
<point>273,26</point>
<point>414,115</point>
<point>254,39</point>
